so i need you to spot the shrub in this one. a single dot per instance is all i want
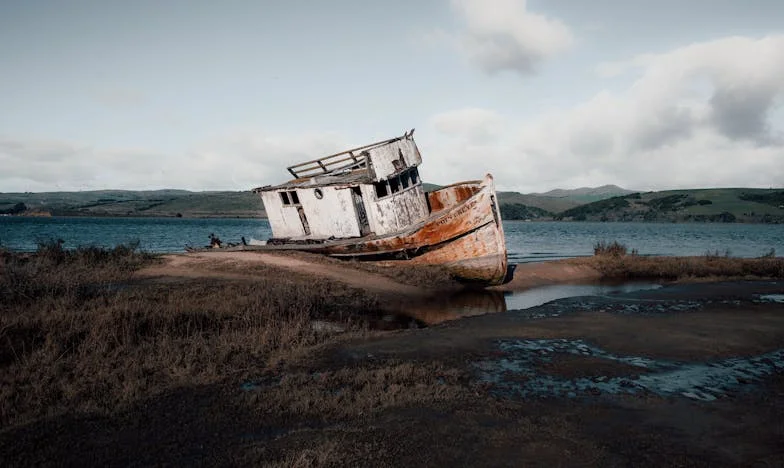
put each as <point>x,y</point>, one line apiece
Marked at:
<point>613,249</point>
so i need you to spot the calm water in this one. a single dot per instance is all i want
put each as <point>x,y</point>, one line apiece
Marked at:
<point>526,241</point>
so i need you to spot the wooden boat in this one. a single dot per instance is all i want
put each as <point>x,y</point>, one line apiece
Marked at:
<point>369,203</point>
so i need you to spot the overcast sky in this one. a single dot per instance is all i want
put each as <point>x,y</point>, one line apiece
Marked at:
<point>207,95</point>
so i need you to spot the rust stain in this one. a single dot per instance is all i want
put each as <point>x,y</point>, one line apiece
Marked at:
<point>450,196</point>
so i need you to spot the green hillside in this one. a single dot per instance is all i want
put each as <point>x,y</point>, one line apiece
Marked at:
<point>703,205</point>
<point>138,203</point>
<point>587,194</point>
<point>551,204</point>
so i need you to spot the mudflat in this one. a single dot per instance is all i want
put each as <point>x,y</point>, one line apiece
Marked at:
<point>688,374</point>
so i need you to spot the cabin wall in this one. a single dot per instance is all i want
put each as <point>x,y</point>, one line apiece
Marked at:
<point>396,212</point>
<point>284,220</point>
<point>383,158</point>
<point>332,215</point>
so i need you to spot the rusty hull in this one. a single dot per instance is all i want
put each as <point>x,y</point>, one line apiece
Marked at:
<point>451,195</point>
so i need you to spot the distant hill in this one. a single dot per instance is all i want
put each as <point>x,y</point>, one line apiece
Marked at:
<point>701,205</point>
<point>510,211</point>
<point>550,204</point>
<point>544,205</point>
<point>712,205</point>
<point>587,194</point>
<point>139,203</point>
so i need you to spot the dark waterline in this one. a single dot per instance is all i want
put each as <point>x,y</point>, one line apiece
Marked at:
<point>526,241</point>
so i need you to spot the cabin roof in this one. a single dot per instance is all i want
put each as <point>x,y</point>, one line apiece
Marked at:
<point>351,177</point>
<point>348,167</point>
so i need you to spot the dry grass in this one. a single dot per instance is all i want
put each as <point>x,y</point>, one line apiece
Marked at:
<point>78,334</point>
<point>357,391</point>
<point>613,262</point>
<point>613,249</point>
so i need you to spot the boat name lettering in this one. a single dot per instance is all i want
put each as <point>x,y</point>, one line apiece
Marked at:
<point>457,213</point>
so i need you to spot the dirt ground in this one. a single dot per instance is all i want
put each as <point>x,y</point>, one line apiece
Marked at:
<point>688,374</point>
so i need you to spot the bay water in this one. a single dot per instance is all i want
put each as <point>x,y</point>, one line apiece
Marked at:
<point>526,241</point>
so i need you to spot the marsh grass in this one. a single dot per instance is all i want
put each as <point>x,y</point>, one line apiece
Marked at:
<point>613,262</point>
<point>361,390</point>
<point>612,249</point>
<point>79,334</point>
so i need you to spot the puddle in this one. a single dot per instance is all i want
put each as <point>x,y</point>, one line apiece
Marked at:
<point>515,372</point>
<point>542,295</point>
<point>771,298</point>
<point>469,302</point>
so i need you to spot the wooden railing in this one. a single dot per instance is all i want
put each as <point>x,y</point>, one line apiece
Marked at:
<point>349,159</point>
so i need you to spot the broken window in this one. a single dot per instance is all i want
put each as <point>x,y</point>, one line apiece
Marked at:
<point>285,197</point>
<point>414,176</point>
<point>404,180</point>
<point>294,198</point>
<point>394,184</point>
<point>381,189</point>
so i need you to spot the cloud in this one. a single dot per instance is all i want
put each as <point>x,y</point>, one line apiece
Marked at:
<point>239,160</point>
<point>706,114</point>
<point>503,35</point>
<point>742,76</point>
<point>696,116</point>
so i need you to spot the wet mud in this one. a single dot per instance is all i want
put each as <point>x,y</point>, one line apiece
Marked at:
<point>516,370</point>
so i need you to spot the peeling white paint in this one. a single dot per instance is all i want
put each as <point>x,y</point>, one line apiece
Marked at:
<point>395,212</point>
<point>382,158</point>
<point>283,220</point>
<point>331,216</point>
<point>336,213</point>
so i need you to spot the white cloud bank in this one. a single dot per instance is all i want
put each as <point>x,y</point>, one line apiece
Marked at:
<point>241,160</point>
<point>703,115</point>
<point>499,35</point>
<point>706,115</point>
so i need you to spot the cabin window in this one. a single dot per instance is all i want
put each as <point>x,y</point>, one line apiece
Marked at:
<point>289,198</point>
<point>405,180</point>
<point>414,176</point>
<point>381,189</point>
<point>402,181</point>
<point>394,184</point>
<point>318,193</point>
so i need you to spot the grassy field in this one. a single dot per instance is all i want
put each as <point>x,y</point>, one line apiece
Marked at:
<point>79,334</point>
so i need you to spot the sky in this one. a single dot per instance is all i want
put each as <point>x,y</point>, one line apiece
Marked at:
<point>543,94</point>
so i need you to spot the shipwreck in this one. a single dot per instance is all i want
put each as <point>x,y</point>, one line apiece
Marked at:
<point>369,203</point>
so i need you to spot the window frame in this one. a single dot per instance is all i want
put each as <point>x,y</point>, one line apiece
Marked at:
<point>409,174</point>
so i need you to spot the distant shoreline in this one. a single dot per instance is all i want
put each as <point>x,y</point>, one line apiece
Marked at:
<point>229,216</point>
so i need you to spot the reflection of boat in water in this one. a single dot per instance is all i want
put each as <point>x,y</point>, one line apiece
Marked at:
<point>464,303</point>
<point>369,203</point>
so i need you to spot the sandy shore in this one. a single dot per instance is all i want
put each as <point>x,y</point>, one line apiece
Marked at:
<point>234,265</point>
